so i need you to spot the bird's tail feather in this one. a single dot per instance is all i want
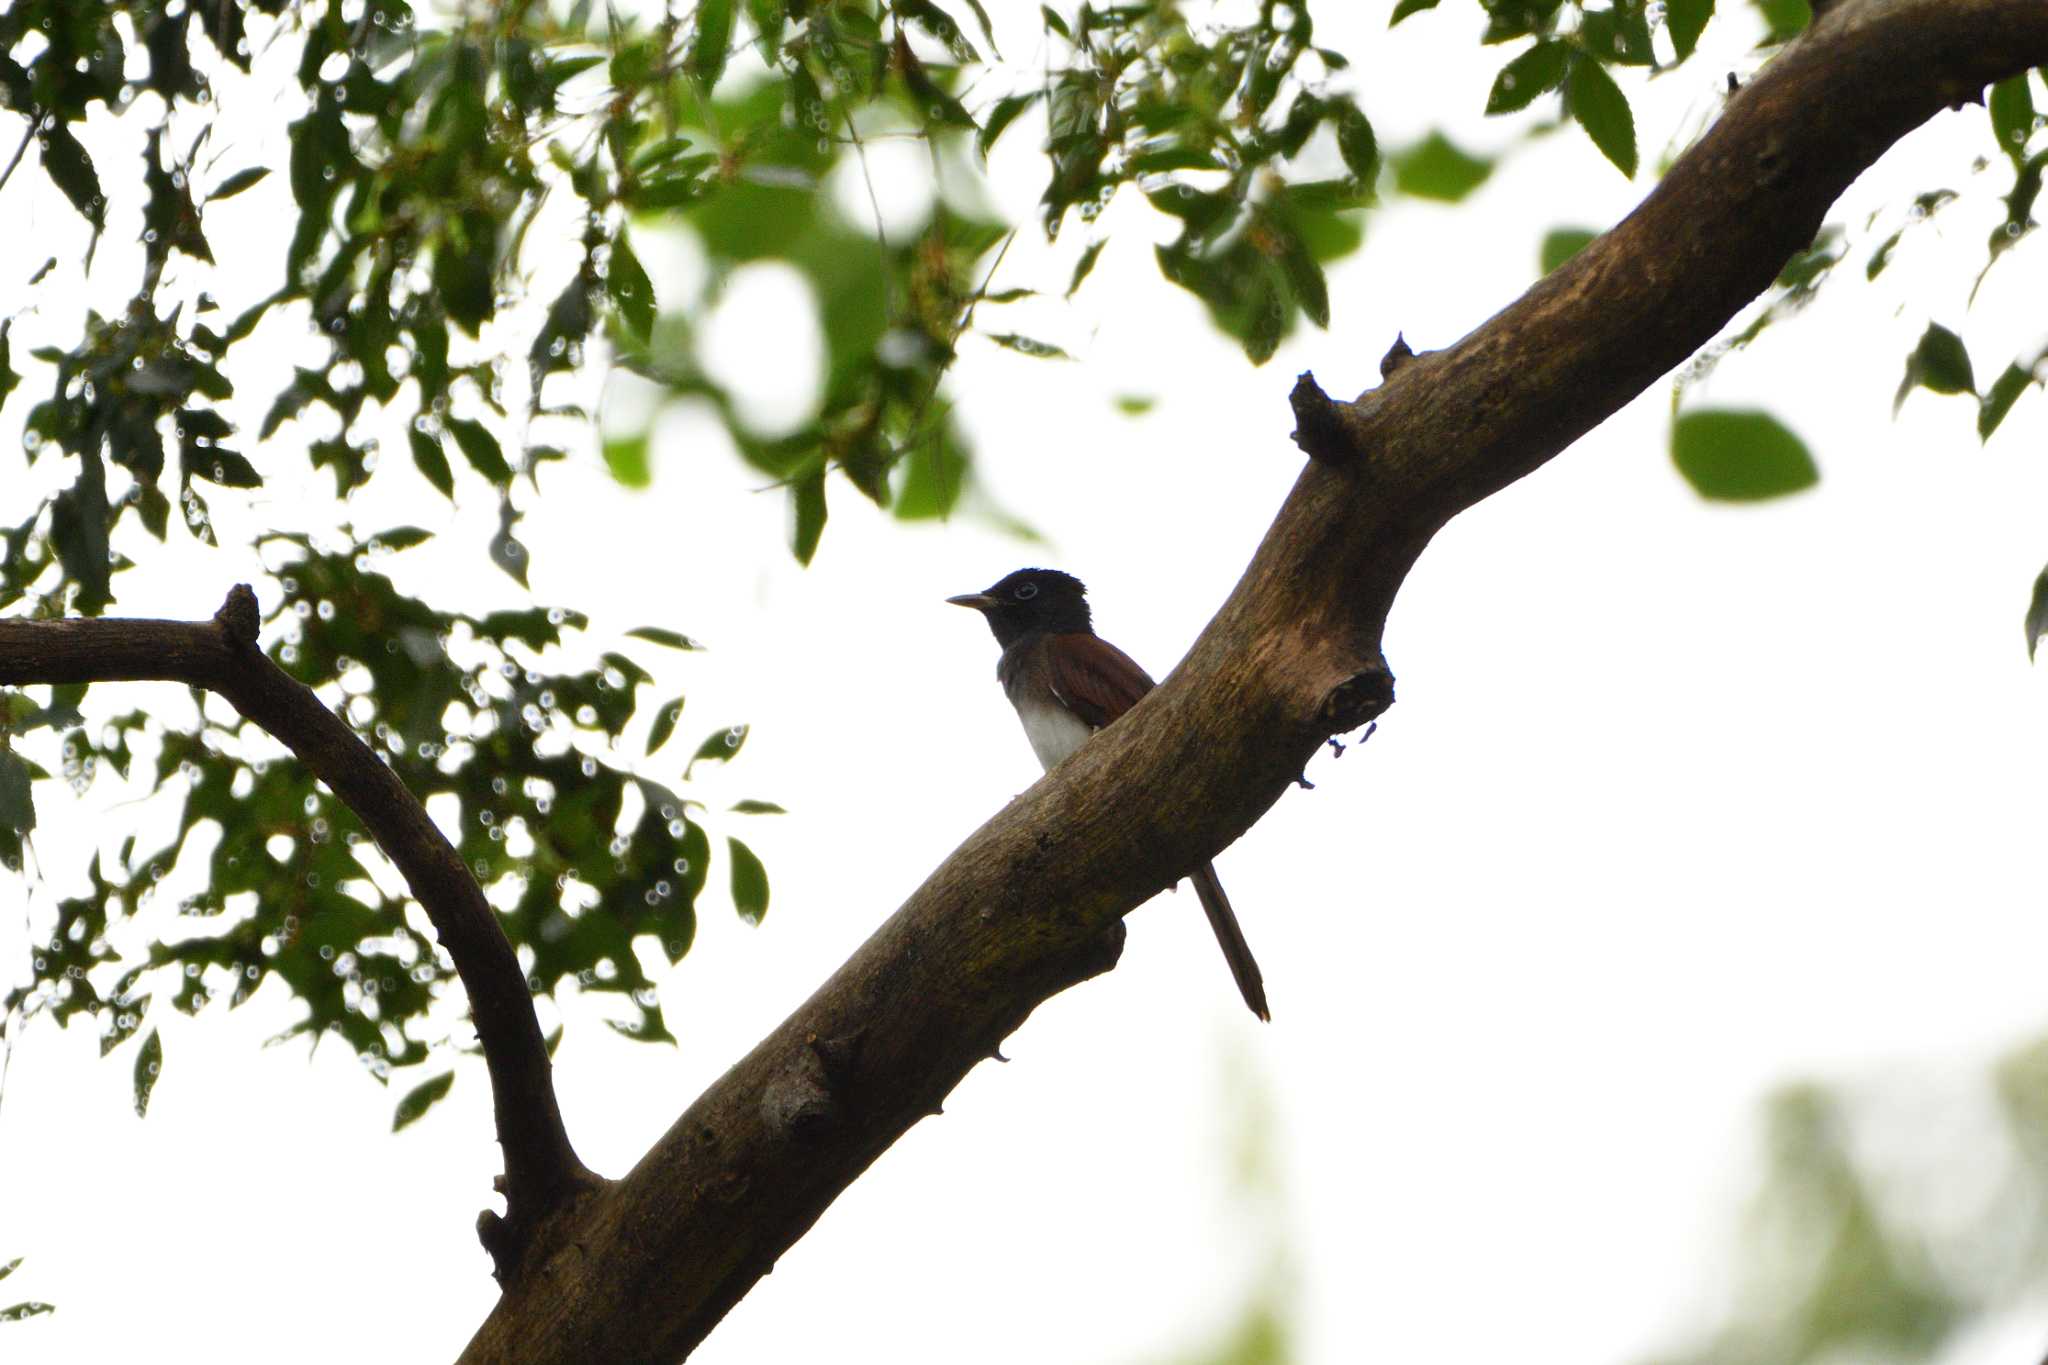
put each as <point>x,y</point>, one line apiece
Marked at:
<point>1230,938</point>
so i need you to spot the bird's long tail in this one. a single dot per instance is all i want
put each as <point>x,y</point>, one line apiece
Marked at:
<point>1230,938</point>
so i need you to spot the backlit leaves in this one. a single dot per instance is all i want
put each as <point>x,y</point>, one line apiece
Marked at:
<point>1784,19</point>
<point>1602,110</point>
<point>2037,613</point>
<point>415,1103</point>
<point>1540,68</point>
<point>148,1069</point>
<point>749,882</point>
<point>1940,364</point>
<point>1734,456</point>
<point>1999,398</point>
<point>1561,244</point>
<point>1685,20</point>
<point>630,290</point>
<point>1437,168</point>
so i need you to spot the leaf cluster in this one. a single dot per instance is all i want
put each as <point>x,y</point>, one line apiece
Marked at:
<point>594,869</point>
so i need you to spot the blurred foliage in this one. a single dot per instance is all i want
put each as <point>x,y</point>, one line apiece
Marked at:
<point>1858,1248</point>
<point>28,1308</point>
<point>463,185</point>
<point>1261,1330</point>
<point>1733,456</point>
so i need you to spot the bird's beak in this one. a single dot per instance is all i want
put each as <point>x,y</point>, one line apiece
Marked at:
<point>980,601</point>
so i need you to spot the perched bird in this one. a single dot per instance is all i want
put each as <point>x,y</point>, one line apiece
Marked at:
<point>1067,682</point>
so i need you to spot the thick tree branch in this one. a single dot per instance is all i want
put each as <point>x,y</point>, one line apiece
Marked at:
<point>542,1171</point>
<point>1019,910</point>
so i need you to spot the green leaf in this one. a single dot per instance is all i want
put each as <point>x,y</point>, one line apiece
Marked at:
<point>753,807</point>
<point>10,1267</point>
<point>1437,169</point>
<point>1358,146</point>
<point>749,882</point>
<point>988,32</point>
<point>29,1308</point>
<point>1735,456</point>
<point>770,17</point>
<point>1939,363</point>
<point>1998,401</point>
<point>1000,116</point>
<point>931,477</point>
<point>718,747</point>
<point>1267,318</point>
<point>1135,404</point>
<point>17,806</point>
<point>480,448</point>
<point>626,458</point>
<point>236,183</point>
<point>711,41</point>
<point>1539,69</point>
<point>1055,24</point>
<point>1687,19</point>
<point>1086,264</point>
<point>1031,346</point>
<point>1618,35</point>
<point>2037,614</point>
<point>506,550</point>
<point>2012,116</point>
<point>807,510</point>
<point>1408,7</point>
<point>1507,20</point>
<point>401,537</point>
<point>418,1100</point>
<point>562,70</point>
<point>664,724</point>
<point>939,25</point>
<point>1784,19</point>
<point>1602,110</point>
<point>661,635</point>
<point>1304,276</point>
<point>78,530</point>
<point>432,462</point>
<point>224,467</point>
<point>631,291</point>
<point>149,1067</point>
<point>67,164</point>
<point>1561,244</point>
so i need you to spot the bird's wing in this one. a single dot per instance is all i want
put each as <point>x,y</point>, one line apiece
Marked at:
<point>1093,678</point>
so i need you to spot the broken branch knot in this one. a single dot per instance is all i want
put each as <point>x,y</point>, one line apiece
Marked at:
<point>1359,699</point>
<point>238,617</point>
<point>1319,423</point>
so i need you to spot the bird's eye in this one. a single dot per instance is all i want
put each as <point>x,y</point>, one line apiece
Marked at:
<point>1026,591</point>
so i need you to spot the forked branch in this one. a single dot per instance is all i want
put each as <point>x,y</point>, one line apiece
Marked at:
<point>542,1172</point>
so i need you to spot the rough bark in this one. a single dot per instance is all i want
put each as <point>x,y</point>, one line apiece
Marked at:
<point>542,1173</point>
<point>642,1268</point>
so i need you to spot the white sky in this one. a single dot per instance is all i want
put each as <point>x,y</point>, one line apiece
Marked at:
<point>1678,802</point>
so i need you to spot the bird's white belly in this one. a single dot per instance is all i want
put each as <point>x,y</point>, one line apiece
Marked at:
<point>1054,732</point>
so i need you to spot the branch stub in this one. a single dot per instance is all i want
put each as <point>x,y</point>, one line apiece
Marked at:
<point>1318,424</point>
<point>1398,354</point>
<point>238,617</point>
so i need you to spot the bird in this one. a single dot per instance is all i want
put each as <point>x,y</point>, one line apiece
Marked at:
<point>1066,682</point>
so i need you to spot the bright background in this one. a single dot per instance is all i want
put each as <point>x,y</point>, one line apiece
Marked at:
<point>1678,802</point>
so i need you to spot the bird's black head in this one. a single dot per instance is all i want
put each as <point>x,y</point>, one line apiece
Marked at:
<point>1031,600</point>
